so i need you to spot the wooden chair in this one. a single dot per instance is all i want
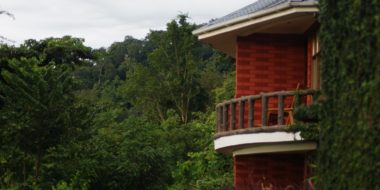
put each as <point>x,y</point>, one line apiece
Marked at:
<point>272,113</point>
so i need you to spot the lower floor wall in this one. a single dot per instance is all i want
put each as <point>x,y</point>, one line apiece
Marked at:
<point>270,171</point>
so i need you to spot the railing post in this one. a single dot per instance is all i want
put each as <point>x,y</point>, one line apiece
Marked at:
<point>217,119</point>
<point>219,116</point>
<point>251,106</point>
<point>225,115</point>
<point>280,114</point>
<point>232,115</point>
<point>241,114</point>
<point>264,109</point>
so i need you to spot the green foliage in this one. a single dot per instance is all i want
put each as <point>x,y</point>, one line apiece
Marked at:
<point>172,70</point>
<point>65,50</point>
<point>309,131</point>
<point>227,91</point>
<point>144,155</point>
<point>74,184</point>
<point>204,169</point>
<point>307,118</point>
<point>307,113</point>
<point>176,74</point>
<point>132,116</point>
<point>37,107</point>
<point>349,154</point>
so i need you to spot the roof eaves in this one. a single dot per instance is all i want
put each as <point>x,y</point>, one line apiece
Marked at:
<point>261,13</point>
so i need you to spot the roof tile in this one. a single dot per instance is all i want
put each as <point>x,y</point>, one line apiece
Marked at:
<point>252,8</point>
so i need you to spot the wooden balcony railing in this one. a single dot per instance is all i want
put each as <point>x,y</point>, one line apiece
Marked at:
<point>238,115</point>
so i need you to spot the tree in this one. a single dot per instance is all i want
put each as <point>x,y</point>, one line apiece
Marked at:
<point>38,107</point>
<point>172,72</point>
<point>66,50</point>
<point>124,117</point>
<point>203,168</point>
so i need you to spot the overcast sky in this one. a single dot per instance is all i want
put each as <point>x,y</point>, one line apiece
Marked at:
<point>102,22</point>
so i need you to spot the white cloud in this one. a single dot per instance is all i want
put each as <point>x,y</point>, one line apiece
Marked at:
<point>101,22</point>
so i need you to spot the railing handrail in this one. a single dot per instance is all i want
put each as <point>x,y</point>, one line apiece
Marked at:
<point>269,94</point>
<point>227,114</point>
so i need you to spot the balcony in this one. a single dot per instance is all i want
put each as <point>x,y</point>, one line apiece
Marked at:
<point>257,120</point>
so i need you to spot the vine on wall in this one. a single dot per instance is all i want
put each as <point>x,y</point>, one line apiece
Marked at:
<point>349,151</point>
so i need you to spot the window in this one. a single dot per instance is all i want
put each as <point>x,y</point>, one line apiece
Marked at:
<point>315,65</point>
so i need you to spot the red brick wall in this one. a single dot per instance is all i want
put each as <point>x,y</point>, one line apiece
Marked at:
<point>309,63</point>
<point>266,63</point>
<point>269,62</point>
<point>309,59</point>
<point>277,170</point>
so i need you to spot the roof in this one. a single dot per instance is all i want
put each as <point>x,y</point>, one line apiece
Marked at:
<point>257,6</point>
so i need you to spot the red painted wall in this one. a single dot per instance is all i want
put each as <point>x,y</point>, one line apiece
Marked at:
<point>267,63</point>
<point>270,62</point>
<point>309,59</point>
<point>279,171</point>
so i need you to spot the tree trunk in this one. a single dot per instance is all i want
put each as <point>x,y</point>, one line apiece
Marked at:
<point>24,168</point>
<point>160,114</point>
<point>37,165</point>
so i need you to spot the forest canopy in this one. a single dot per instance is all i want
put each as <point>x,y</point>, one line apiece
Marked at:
<point>135,115</point>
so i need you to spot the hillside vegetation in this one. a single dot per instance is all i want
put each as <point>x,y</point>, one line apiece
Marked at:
<point>137,115</point>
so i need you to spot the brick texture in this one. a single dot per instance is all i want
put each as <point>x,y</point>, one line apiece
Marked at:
<point>270,62</point>
<point>278,171</point>
<point>309,60</point>
<point>267,63</point>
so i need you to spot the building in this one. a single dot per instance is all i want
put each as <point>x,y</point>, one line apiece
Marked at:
<point>276,49</point>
